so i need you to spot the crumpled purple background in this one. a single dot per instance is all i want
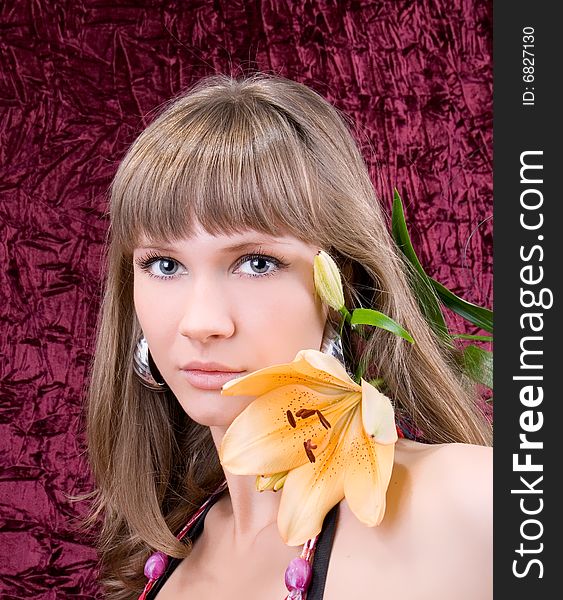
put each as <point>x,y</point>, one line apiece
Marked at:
<point>78,81</point>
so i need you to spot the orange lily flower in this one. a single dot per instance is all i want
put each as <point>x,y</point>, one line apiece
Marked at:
<point>329,436</point>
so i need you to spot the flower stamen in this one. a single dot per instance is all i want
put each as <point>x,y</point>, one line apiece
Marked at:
<point>323,420</point>
<point>291,419</point>
<point>309,447</point>
<point>305,412</point>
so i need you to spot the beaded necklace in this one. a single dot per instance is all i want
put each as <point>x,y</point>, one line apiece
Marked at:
<point>297,575</point>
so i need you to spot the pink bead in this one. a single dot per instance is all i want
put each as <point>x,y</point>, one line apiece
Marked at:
<point>298,575</point>
<point>156,565</point>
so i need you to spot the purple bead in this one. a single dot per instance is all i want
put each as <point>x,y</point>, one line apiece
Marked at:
<point>156,565</point>
<point>298,575</point>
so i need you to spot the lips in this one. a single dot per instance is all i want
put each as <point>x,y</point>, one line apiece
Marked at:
<point>209,380</point>
<point>209,375</point>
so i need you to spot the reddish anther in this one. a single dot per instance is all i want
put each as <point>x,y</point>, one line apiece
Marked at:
<point>291,418</point>
<point>305,412</point>
<point>323,420</point>
<point>309,447</point>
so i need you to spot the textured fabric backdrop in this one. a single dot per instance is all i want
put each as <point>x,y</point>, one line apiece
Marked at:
<point>77,82</point>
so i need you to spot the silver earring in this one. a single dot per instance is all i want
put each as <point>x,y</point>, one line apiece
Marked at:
<point>145,368</point>
<point>332,343</point>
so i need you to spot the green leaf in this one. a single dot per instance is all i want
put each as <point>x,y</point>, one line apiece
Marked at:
<point>421,283</point>
<point>477,315</point>
<point>482,317</point>
<point>401,234</point>
<point>478,364</point>
<point>477,338</point>
<point>367,316</point>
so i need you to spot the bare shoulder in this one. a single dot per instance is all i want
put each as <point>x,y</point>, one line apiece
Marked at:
<point>461,474</point>
<point>444,483</point>
<point>437,527</point>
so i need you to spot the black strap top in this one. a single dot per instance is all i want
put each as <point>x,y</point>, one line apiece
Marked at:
<point>321,557</point>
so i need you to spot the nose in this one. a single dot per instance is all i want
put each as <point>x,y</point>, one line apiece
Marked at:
<point>206,313</point>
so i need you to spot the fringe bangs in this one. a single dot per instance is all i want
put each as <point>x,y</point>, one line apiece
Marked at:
<point>233,167</point>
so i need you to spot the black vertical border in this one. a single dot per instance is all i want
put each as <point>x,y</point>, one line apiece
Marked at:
<point>518,128</point>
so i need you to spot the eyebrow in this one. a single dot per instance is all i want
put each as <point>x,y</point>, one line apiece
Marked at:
<point>225,249</point>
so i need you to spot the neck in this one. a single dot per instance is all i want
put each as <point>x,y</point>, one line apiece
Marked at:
<point>249,512</point>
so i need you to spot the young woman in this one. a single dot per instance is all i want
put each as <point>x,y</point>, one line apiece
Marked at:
<point>217,212</point>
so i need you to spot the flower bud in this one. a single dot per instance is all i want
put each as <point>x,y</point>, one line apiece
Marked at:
<point>327,280</point>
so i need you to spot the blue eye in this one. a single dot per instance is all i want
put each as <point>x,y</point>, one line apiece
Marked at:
<point>164,264</point>
<point>260,265</point>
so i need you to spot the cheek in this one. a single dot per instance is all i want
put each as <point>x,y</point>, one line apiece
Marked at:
<point>283,321</point>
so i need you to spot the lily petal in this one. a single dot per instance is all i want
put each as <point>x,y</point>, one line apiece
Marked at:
<point>368,472</point>
<point>311,367</point>
<point>378,417</point>
<point>321,363</point>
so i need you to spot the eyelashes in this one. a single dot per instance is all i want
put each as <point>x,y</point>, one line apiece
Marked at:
<point>145,263</point>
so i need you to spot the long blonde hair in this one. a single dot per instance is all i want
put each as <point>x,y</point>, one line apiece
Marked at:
<point>269,154</point>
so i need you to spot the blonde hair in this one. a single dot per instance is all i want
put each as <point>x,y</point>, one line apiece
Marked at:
<point>269,154</point>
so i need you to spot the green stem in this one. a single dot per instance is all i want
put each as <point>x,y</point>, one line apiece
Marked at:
<point>359,372</point>
<point>347,318</point>
<point>342,326</point>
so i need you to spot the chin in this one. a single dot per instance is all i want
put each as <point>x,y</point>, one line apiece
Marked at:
<point>211,409</point>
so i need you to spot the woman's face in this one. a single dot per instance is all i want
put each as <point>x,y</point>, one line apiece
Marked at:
<point>244,301</point>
